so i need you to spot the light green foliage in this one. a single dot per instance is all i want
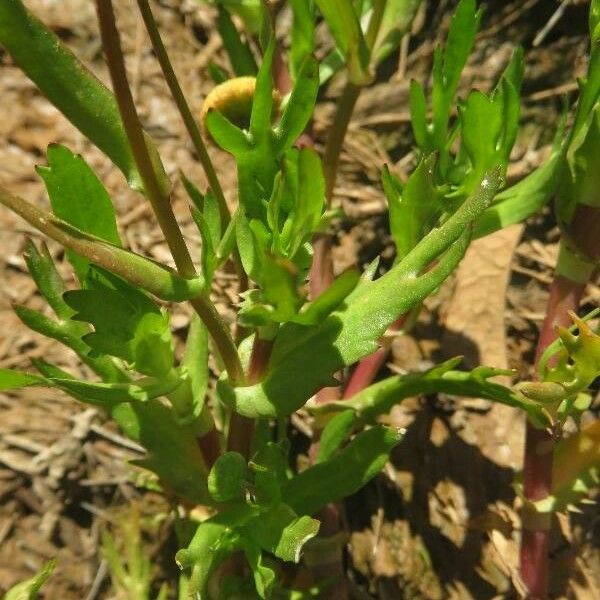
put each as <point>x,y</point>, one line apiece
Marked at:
<point>304,358</point>
<point>28,590</point>
<point>447,68</point>
<point>130,566</point>
<point>259,151</point>
<point>14,380</point>
<point>381,397</point>
<point>396,22</point>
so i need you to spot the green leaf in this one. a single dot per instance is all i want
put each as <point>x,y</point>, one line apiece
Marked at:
<point>127,324</point>
<point>107,394</point>
<point>82,98</point>
<point>414,209</point>
<point>269,465</point>
<point>264,576</point>
<point>262,106</point>
<point>231,138</point>
<point>47,278</point>
<point>173,451</point>
<point>214,540</point>
<point>239,52</point>
<point>335,434</point>
<point>343,474</point>
<point>418,115</point>
<point>314,312</point>
<point>14,380</point>
<point>489,125</point>
<point>79,198</point>
<point>304,358</point>
<point>516,203</point>
<point>345,28</point>
<point>303,35</point>
<point>381,397</point>
<point>227,478</point>
<point>397,20</point>
<point>447,69</point>
<point>300,106</point>
<point>196,362</point>
<point>69,333</point>
<point>281,532</point>
<point>28,590</point>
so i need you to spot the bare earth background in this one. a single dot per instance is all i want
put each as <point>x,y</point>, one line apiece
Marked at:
<point>440,522</point>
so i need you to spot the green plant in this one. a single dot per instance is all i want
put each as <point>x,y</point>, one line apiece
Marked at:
<point>261,508</point>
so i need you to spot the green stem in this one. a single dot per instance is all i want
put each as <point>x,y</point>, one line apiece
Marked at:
<point>184,109</point>
<point>159,199</point>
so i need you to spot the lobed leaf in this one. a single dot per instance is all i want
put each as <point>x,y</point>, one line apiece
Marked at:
<point>78,197</point>
<point>353,329</point>
<point>381,397</point>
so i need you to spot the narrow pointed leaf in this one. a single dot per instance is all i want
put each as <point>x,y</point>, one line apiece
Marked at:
<point>343,474</point>
<point>67,83</point>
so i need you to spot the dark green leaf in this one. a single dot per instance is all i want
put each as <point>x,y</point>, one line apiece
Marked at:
<point>335,433</point>
<point>280,531</point>
<point>238,51</point>
<point>227,478</point>
<point>173,451</point>
<point>108,394</point>
<point>343,474</point>
<point>127,323</point>
<point>82,98</point>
